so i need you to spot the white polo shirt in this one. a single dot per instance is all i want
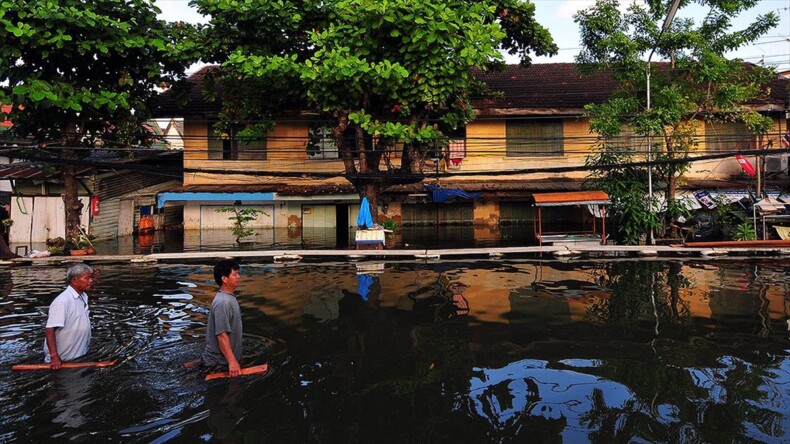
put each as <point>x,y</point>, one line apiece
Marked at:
<point>68,314</point>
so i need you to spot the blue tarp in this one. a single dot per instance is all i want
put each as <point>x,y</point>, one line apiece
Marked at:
<point>443,194</point>
<point>364,219</point>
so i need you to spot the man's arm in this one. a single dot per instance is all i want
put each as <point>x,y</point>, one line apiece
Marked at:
<point>55,362</point>
<point>227,351</point>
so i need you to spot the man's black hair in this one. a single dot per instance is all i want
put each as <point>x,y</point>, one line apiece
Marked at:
<point>224,268</point>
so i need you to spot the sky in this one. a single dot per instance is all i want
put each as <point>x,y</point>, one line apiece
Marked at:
<point>557,15</point>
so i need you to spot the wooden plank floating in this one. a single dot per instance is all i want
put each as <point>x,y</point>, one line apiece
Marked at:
<point>96,364</point>
<point>254,370</point>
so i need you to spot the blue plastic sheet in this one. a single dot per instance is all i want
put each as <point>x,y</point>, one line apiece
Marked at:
<point>364,219</point>
<point>443,194</point>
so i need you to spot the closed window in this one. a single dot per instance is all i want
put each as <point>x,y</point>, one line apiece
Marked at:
<point>627,141</point>
<point>728,136</point>
<point>534,138</point>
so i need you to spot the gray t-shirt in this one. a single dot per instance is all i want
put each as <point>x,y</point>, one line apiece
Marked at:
<point>225,317</point>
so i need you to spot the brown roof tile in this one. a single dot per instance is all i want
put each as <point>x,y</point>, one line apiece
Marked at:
<point>547,88</point>
<point>544,86</point>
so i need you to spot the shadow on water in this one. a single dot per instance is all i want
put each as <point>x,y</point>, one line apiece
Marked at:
<point>468,351</point>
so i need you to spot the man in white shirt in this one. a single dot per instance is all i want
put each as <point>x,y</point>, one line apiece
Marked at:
<point>68,331</point>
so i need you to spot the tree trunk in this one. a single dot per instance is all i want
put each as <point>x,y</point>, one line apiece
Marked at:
<point>359,140</point>
<point>411,158</point>
<point>71,201</point>
<point>5,252</point>
<point>338,132</point>
<point>672,185</point>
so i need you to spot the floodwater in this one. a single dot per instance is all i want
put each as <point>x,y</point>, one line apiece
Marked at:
<point>464,351</point>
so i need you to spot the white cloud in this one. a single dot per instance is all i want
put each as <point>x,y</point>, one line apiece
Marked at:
<point>568,8</point>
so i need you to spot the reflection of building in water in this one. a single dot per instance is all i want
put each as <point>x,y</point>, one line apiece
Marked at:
<point>546,293</point>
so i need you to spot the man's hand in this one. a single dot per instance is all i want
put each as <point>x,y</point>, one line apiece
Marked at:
<point>234,369</point>
<point>54,359</point>
<point>55,362</point>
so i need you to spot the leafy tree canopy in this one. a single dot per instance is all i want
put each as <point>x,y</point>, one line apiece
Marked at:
<point>696,81</point>
<point>73,71</point>
<point>396,70</point>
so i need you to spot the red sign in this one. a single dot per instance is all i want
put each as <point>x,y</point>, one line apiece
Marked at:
<point>745,165</point>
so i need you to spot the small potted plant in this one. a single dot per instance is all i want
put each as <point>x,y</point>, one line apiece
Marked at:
<point>80,245</point>
<point>240,218</point>
<point>57,247</point>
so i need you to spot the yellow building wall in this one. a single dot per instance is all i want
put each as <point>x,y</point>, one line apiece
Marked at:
<point>285,153</point>
<point>485,148</point>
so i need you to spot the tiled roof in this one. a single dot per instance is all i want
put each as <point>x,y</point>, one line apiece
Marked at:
<point>543,86</point>
<point>196,104</point>
<point>547,88</point>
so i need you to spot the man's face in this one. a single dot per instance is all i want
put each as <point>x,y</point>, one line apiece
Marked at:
<point>82,282</point>
<point>232,280</point>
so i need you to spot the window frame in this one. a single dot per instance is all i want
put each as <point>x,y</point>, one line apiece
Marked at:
<point>325,143</point>
<point>229,146</point>
<point>540,143</point>
<point>735,134</point>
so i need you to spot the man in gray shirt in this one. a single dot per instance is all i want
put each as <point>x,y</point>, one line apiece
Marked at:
<point>223,332</point>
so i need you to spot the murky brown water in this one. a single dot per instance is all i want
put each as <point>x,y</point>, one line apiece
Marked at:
<point>469,351</point>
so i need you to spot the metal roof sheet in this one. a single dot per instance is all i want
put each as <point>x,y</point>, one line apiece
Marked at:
<point>571,198</point>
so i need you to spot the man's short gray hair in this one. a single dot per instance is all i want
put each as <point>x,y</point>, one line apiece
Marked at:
<point>77,270</point>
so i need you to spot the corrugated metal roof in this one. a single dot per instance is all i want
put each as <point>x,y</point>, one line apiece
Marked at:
<point>571,198</point>
<point>32,171</point>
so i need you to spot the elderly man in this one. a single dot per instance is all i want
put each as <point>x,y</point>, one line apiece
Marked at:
<point>68,331</point>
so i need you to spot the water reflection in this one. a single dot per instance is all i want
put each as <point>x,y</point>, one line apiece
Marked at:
<point>454,351</point>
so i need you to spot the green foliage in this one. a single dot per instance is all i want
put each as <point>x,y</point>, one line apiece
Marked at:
<point>744,232</point>
<point>82,74</point>
<point>57,246</point>
<point>391,224</point>
<point>700,82</point>
<point>395,70</point>
<point>71,61</point>
<point>627,189</point>
<point>241,217</point>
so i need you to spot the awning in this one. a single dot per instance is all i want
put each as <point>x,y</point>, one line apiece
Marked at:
<point>211,197</point>
<point>571,198</point>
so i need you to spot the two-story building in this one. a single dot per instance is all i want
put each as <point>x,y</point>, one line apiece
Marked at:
<point>527,138</point>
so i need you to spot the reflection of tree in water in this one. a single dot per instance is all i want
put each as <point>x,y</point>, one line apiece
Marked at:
<point>683,390</point>
<point>395,373</point>
<point>729,404</point>
<point>641,291</point>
